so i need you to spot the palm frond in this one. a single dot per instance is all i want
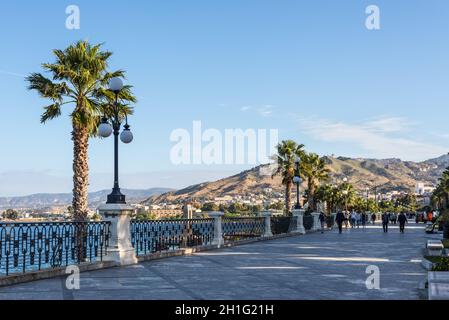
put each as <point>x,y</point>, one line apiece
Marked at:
<point>51,112</point>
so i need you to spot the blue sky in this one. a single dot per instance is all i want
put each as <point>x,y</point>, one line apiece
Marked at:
<point>307,68</point>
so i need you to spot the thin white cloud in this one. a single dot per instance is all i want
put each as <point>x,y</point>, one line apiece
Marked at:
<point>14,74</point>
<point>381,138</point>
<point>389,124</point>
<point>263,111</point>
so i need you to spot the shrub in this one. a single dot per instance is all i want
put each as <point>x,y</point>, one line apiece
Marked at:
<point>442,265</point>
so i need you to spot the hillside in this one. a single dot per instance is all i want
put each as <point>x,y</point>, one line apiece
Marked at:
<point>386,174</point>
<point>36,201</point>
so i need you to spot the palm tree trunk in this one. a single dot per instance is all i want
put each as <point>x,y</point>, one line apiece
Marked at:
<point>446,195</point>
<point>80,137</point>
<point>288,197</point>
<point>311,198</point>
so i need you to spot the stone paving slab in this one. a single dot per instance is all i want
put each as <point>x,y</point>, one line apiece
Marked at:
<point>314,266</point>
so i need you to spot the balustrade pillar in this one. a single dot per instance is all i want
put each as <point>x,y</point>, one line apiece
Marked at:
<point>218,229</point>
<point>299,214</point>
<point>120,249</point>
<point>334,216</point>
<point>316,221</point>
<point>267,215</point>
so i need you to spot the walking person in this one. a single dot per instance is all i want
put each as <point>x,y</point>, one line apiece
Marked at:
<point>353,219</point>
<point>323,221</point>
<point>340,218</point>
<point>373,218</point>
<point>385,221</point>
<point>364,217</point>
<point>346,219</point>
<point>402,219</point>
<point>358,219</point>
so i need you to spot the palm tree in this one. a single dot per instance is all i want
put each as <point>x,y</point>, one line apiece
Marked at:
<point>329,194</point>
<point>79,77</point>
<point>438,196</point>
<point>315,170</point>
<point>347,195</point>
<point>444,187</point>
<point>287,152</point>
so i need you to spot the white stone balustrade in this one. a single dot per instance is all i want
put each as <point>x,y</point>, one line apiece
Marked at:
<point>316,221</point>
<point>299,214</point>
<point>218,228</point>
<point>267,215</point>
<point>120,249</point>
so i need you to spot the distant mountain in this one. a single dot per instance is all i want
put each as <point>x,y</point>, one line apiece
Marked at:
<point>386,174</point>
<point>37,201</point>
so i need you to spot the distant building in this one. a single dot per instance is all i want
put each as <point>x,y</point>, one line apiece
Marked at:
<point>166,213</point>
<point>421,189</point>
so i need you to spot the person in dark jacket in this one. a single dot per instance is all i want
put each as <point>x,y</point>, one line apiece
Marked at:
<point>340,218</point>
<point>385,221</point>
<point>373,218</point>
<point>402,219</point>
<point>322,221</point>
<point>364,218</point>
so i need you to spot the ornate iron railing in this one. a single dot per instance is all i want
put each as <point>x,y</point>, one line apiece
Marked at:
<point>282,225</point>
<point>235,229</point>
<point>153,236</point>
<point>35,246</point>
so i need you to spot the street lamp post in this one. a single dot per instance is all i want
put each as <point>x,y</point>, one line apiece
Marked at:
<point>297,180</point>
<point>113,125</point>
<point>367,199</point>
<point>346,193</point>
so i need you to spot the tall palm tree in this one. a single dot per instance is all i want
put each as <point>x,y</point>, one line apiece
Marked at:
<point>444,187</point>
<point>438,197</point>
<point>78,78</point>
<point>287,152</point>
<point>315,170</point>
<point>329,194</point>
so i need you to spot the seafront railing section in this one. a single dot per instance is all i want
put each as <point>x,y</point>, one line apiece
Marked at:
<point>148,237</point>
<point>28,247</point>
<point>235,229</point>
<point>281,225</point>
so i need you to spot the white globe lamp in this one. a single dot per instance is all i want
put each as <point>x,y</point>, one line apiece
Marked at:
<point>105,129</point>
<point>116,85</point>
<point>127,136</point>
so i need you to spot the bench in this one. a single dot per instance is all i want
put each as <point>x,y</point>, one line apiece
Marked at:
<point>438,291</point>
<point>434,248</point>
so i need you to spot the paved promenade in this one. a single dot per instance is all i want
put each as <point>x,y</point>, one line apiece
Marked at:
<point>314,266</point>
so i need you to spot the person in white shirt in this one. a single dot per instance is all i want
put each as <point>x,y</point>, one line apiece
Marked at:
<point>358,219</point>
<point>353,219</point>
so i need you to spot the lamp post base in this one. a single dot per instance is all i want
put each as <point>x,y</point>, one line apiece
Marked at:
<point>116,197</point>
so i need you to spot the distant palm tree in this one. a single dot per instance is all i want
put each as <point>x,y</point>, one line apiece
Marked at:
<point>347,194</point>
<point>287,152</point>
<point>315,170</point>
<point>329,194</point>
<point>79,77</point>
<point>442,191</point>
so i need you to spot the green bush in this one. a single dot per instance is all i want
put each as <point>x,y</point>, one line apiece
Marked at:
<point>442,265</point>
